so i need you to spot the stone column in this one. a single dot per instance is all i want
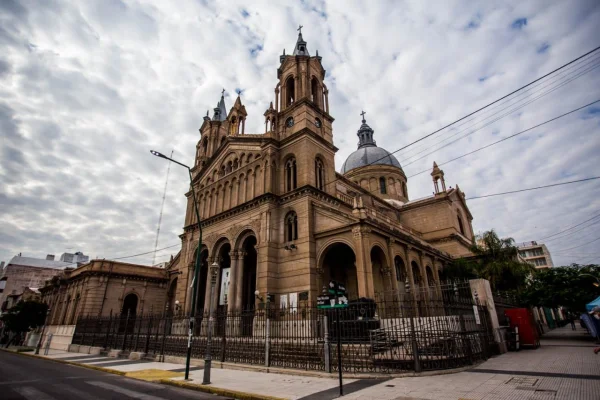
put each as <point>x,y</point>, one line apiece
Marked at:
<point>326,100</point>
<point>233,284</point>
<point>277,98</point>
<point>393,277</point>
<point>362,264</point>
<point>209,262</point>
<point>411,278</point>
<point>239,280</point>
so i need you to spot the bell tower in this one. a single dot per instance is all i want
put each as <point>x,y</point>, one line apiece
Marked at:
<point>301,96</point>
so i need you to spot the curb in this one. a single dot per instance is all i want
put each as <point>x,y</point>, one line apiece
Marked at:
<point>218,391</point>
<point>180,384</point>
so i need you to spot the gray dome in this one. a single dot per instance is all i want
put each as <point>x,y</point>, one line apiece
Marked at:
<point>369,155</point>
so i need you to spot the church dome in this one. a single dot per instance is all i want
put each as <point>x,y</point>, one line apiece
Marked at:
<point>368,153</point>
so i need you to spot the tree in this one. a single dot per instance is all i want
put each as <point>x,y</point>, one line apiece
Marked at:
<point>25,315</point>
<point>563,286</point>
<point>496,260</point>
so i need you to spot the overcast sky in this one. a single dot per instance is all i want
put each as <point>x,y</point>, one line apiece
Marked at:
<point>87,88</point>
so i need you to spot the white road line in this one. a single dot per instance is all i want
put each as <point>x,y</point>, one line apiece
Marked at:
<point>79,393</point>
<point>32,394</point>
<point>126,392</point>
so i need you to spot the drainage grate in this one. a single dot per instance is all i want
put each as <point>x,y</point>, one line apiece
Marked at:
<point>518,380</point>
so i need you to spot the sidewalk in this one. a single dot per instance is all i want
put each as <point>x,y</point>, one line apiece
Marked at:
<point>564,367</point>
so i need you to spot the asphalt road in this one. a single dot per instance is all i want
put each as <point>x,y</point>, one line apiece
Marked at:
<point>30,378</point>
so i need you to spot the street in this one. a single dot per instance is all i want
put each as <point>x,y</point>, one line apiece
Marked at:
<point>29,378</point>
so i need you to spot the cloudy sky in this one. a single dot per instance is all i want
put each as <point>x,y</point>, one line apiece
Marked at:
<point>88,87</point>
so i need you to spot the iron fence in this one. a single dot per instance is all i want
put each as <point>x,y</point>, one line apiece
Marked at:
<point>394,334</point>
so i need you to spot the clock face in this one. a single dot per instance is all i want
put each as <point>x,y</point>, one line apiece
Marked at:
<point>290,122</point>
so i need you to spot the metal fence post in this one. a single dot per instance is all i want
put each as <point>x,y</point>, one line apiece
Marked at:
<point>267,339</point>
<point>326,345</point>
<point>148,335</point>
<point>162,348</point>
<point>108,328</point>
<point>125,333</point>
<point>415,345</point>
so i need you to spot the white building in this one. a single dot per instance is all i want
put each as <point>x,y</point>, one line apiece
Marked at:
<point>535,254</point>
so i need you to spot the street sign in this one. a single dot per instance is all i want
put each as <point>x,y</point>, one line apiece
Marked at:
<point>335,298</point>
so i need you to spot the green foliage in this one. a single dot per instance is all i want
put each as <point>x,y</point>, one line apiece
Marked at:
<point>25,315</point>
<point>563,286</point>
<point>496,260</point>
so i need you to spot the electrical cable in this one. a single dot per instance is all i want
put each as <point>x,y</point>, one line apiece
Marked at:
<point>533,188</point>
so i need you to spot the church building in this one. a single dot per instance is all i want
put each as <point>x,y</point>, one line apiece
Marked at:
<point>278,219</point>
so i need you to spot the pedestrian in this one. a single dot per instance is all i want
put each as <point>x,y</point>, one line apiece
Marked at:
<point>596,314</point>
<point>572,319</point>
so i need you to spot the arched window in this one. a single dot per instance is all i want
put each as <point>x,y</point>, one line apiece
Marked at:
<point>290,174</point>
<point>382,185</point>
<point>460,224</point>
<point>430,278</point>
<point>319,174</point>
<point>130,304</point>
<point>400,270</point>
<point>290,93</point>
<point>291,226</point>
<point>314,91</point>
<point>205,145</point>
<point>233,126</point>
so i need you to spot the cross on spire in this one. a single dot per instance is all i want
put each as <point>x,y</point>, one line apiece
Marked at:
<point>239,92</point>
<point>223,92</point>
<point>299,29</point>
<point>363,116</point>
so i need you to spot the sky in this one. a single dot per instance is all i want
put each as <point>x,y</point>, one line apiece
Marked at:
<point>87,88</point>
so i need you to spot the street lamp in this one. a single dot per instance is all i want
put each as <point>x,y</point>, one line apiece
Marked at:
<point>37,348</point>
<point>597,283</point>
<point>214,271</point>
<point>196,264</point>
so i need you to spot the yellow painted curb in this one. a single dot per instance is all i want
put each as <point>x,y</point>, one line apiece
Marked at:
<point>153,374</point>
<point>218,391</point>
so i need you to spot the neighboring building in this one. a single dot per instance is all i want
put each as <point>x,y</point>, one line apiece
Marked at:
<point>77,258</point>
<point>27,272</point>
<point>535,254</point>
<point>28,294</point>
<point>278,218</point>
<point>103,288</point>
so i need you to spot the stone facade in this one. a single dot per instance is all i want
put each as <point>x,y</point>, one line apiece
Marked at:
<point>103,288</point>
<point>276,216</point>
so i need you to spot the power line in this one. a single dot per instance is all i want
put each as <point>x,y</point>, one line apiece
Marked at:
<point>585,64</point>
<point>492,121</point>
<point>573,232</point>
<point>141,254</point>
<point>483,108</point>
<point>581,245</point>
<point>508,137</point>
<point>533,188</point>
<point>574,226</point>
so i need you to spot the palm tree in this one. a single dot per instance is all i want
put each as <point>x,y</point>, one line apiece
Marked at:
<point>498,261</point>
<point>495,259</point>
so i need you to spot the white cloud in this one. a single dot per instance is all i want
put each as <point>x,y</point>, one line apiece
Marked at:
<point>87,88</point>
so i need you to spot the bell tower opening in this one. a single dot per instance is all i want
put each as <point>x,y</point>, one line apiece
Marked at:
<point>290,93</point>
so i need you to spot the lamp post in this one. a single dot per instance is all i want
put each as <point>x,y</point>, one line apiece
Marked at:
<point>597,283</point>
<point>39,344</point>
<point>196,265</point>
<point>214,271</point>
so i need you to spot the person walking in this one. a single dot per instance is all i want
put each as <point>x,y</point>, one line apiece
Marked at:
<point>572,319</point>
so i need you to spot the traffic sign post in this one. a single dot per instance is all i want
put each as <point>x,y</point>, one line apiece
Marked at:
<point>335,297</point>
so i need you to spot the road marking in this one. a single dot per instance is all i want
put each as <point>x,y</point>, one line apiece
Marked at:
<point>32,394</point>
<point>79,393</point>
<point>19,382</point>
<point>126,392</point>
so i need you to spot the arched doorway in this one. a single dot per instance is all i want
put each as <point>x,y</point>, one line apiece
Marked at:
<point>223,282</point>
<point>339,264</point>
<point>128,312</point>
<point>378,268</point>
<point>401,277</point>
<point>248,284</point>
<point>201,294</point>
<point>171,294</point>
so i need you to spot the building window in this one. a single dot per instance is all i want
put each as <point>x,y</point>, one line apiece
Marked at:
<point>319,174</point>
<point>289,91</point>
<point>289,122</point>
<point>539,261</point>
<point>291,227</point>
<point>290,174</point>
<point>317,122</point>
<point>460,225</point>
<point>382,186</point>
